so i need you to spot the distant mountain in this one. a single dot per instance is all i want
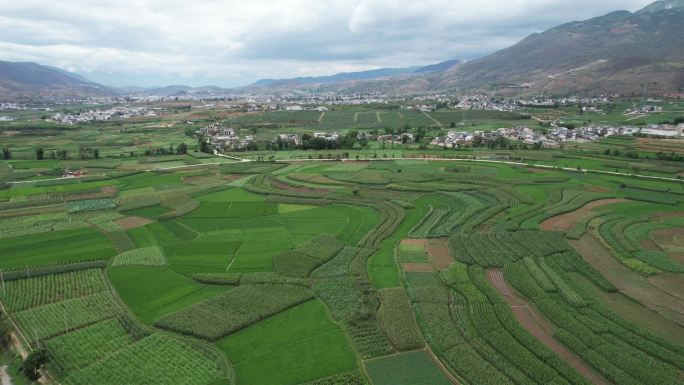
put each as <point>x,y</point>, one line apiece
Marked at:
<point>30,81</point>
<point>439,67</point>
<point>178,91</point>
<point>380,73</point>
<point>620,52</point>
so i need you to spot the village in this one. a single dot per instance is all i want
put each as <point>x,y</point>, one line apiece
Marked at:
<point>224,139</point>
<point>556,136</point>
<point>114,113</point>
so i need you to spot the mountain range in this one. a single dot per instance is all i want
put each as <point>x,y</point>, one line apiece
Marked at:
<point>30,81</point>
<point>362,75</point>
<point>620,52</point>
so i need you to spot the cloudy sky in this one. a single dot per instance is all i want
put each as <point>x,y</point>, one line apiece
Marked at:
<point>235,42</point>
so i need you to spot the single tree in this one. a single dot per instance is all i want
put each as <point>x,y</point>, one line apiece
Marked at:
<point>182,148</point>
<point>39,153</point>
<point>33,362</point>
<point>6,153</point>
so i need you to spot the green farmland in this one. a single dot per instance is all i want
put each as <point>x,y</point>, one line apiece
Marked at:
<point>394,269</point>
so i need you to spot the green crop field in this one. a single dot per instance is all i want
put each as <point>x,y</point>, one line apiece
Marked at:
<point>408,265</point>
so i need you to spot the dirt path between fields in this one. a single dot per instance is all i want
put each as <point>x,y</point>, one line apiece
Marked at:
<point>566,221</point>
<point>542,329</point>
<point>5,379</point>
<point>631,284</point>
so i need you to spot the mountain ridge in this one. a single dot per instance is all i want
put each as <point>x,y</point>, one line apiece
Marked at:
<point>358,75</point>
<point>29,81</point>
<point>618,53</point>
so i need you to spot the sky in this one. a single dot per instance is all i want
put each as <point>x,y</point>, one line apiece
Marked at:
<point>236,42</point>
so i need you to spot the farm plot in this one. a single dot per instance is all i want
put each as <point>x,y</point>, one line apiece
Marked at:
<point>64,246</point>
<point>146,256</point>
<point>20,294</point>
<point>304,258</point>
<point>300,344</point>
<point>159,359</point>
<point>615,342</point>
<point>621,234</point>
<point>396,320</point>
<point>413,368</point>
<point>260,238</point>
<point>93,340</point>
<point>153,292</point>
<point>233,310</point>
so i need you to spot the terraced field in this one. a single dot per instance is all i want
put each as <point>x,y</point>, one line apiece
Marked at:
<point>403,271</point>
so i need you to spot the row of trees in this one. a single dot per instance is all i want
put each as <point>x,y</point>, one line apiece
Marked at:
<point>347,141</point>
<point>94,153</point>
<point>180,150</point>
<point>83,153</point>
<point>59,154</point>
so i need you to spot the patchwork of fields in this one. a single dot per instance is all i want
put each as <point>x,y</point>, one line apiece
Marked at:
<point>356,272</point>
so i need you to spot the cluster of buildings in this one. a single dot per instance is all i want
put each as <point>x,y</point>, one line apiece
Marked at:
<point>402,138</point>
<point>326,135</point>
<point>484,102</point>
<point>292,139</point>
<point>11,107</point>
<point>665,130</point>
<point>639,110</point>
<point>225,139</point>
<point>556,135</point>
<point>6,118</point>
<point>114,113</point>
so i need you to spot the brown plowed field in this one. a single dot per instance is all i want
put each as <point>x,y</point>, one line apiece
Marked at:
<point>565,222</point>
<point>439,253</point>
<point>416,267</point>
<point>414,241</point>
<point>672,236</point>
<point>132,222</point>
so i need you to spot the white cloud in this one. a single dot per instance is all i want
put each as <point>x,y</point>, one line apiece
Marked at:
<point>233,42</point>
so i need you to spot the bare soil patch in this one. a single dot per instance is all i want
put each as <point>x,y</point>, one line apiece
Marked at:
<point>439,253</point>
<point>111,190</point>
<point>566,221</point>
<point>667,214</point>
<point>671,236</point>
<point>677,256</point>
<point>417,267</point>
<point>232,177</point>
<point>670,283</point>
<point>631,284</point>
<point>542,329</point>
<point>648,244</point>
<point>132,222</point>
<point>414,241</point>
